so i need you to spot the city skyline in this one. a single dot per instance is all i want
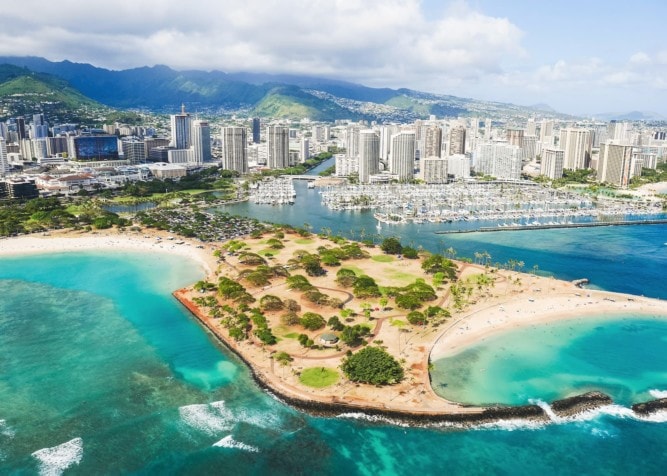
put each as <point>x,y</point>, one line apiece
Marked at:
<point>578,58</point>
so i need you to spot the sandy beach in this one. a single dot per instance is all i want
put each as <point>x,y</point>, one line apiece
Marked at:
<point>151,241</point>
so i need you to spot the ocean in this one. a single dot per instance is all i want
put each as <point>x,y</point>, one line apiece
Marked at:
<point>103,372</point>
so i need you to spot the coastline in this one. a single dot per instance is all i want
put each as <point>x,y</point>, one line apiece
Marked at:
<point>112,240</point>
<point>535,301</point>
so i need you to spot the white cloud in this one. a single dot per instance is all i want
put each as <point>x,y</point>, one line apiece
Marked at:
<point>380,42</point>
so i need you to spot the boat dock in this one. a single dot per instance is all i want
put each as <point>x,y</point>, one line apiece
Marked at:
<point>555,225</point>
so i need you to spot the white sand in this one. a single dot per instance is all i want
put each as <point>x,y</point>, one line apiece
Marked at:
<point>108,240</point>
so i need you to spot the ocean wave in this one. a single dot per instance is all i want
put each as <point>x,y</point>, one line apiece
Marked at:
<point>230,442</point>
<point>655,393</point>
<point>212,418</point>
<point>215,418</point>
<point>5,429</point>
<point>512,425</point>
<point>55,460</point>
<point>372,418</point>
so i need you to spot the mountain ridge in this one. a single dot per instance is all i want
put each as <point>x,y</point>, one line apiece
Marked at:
<point>161,88</point>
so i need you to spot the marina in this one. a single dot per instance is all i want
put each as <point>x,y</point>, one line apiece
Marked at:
<point>273,191</point>
<point>512,204</point>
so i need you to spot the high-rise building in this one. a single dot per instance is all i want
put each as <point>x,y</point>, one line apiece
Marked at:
<point>552,163</point>
<point>402,161</point>
<point>531,127</point>
<point>93,148</point>
<point>369,155</point>
<point>4,163</point>
<point>432,142</point>
<point>615,164</point>
<point>618,131</point>
<point>546,132</point>
<point>515,136</point>
<point>181,125</point>
<point>457,140</point>
<point>277,147</point>
<point>304,149</point>
<point>20,128</point>
<point>56,145</point>
<point>256,128</point>
<point>458,166</point>
<point>576,145</point>
<point>433,170</point>
<point>529,146</point>
<point>385,140</point>
<point>499,159</point>
<point>201,142</point>
<point>234,149</point>
<point>151,143</point>
<point>39,128</point>
<point>134,150</point>
<point>352,141</point>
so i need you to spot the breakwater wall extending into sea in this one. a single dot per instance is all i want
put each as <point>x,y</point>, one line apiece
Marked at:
<point>555,225</point>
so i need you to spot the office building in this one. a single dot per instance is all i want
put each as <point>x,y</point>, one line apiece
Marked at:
<point>181,126</point>
<point>234,143</point>
<point>256,128</point>
<point>93,148</point>
<point>304,149</point>
<point>201,142</point>
<point>134,150</point>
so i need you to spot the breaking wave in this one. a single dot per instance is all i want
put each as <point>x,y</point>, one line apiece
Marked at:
<point>55,460</point>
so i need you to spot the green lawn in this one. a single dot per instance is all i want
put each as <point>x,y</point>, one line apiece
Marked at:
<point>268,252</point>
<point>291,335</point>
<point>382,258</point>
<point>319,377</point>
<point>304,241</point>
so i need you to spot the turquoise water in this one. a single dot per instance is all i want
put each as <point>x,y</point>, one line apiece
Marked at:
<point>624,357</point>
<point>102,371</point>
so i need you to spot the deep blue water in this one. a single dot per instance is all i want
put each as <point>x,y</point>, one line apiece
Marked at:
<point>102,371</point>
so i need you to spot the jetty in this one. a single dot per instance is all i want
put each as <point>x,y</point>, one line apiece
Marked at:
<point>549,226</point>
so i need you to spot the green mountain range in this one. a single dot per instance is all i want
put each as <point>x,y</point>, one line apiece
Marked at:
<point>162,89</point>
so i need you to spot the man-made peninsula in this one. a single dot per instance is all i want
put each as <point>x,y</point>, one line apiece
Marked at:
<point>296,307</point>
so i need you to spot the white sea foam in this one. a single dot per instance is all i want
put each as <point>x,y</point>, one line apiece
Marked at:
<point>655,393</point>
<point>512,425</point>
<point>230,442</point>
<point>372,418</point>
<point>213,418</point>
<point>5,430</point>
<point>55,460</point>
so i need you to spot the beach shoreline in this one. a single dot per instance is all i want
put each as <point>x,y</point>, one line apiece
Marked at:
<point>516,300</point>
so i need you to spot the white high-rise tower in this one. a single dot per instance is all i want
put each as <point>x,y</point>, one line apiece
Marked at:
<point>369,155</point>
<point>234,149</point>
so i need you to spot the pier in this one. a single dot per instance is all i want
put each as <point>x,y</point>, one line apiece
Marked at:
<point>555,225</point>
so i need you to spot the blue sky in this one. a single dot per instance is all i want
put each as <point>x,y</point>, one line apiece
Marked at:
<point>580,57</point>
